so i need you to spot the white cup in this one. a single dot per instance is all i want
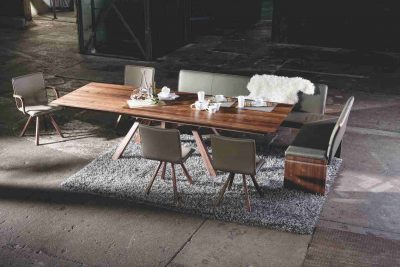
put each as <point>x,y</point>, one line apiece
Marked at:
<point>241,101</point>
<point>219,98</point>
<point>165,91</point>
<point>212,108</point>
<point>200,105</point>
<point>201,95</point>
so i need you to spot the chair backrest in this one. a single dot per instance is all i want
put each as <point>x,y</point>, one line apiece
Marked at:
<point>339,129</point>
<point>32,89</point>
<point>138,75</point>
<point>212,83</point>
<point>313,103</point>
<point>160,144</point>
<point>233,154</point>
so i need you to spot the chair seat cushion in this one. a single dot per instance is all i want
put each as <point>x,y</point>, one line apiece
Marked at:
<point>306,152</point>
<point>40,110</point>
<point>312,141</point>
<point>298,119</point>
<point>186,152</point>
<point>314,135</point>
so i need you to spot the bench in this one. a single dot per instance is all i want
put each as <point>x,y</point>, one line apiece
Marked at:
<point>307,158</point>
<point>309,108</point>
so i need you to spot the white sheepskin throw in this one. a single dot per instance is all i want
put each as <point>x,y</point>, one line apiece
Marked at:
<point>279,88</point>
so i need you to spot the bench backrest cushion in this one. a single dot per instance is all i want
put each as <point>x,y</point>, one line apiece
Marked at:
<point>212,83</point>
<point>339,129</point>
<point>230,85</point>
<point>313,103</point>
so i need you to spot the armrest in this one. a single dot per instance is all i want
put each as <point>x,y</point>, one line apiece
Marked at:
<point>21,99</point>
<point>325,119</point>
<point>54,89</point>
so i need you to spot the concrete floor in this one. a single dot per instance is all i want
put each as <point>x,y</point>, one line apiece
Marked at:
<point>42,226</point>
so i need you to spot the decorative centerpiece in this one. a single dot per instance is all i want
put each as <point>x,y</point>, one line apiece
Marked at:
<point>141,99</point>
<point>142,96</point>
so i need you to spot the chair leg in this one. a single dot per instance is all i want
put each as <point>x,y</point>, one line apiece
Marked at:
<point>187,173</point>
<point>222,192</point>
<point>26,126</point>
<point>174,183</point>
<point>164,168</point>
<point>55,125</point>
<point>215,131</point>
<point>253,178</point>
<point>118,121</point>
<point>153,178</point>
<point>37,130</point>
<point>246,194</point>
<point>231,177</point>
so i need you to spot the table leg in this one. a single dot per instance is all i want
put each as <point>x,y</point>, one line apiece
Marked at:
<point>203,152</point>
<point>124,143</point>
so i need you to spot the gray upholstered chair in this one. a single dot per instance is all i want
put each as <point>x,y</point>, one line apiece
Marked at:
<point>236,156</point>
<point>164,145</point>
<point>30,94</point>
<point>137,76</point>
<point>309,108</point>
<point>317,143</point>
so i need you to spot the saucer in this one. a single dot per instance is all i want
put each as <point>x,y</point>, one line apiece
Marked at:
<point>172,96</point>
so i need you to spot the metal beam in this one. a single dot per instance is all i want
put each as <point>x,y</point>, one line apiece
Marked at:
<point>129,29</point>
<point>103,14</point>
<point>100,18</point>
<point>147,29</point>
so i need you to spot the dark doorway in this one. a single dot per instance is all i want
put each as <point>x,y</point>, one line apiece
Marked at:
<point>60,10</point>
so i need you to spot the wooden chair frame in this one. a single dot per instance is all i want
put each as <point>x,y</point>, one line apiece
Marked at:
<point>228,184</point>
<point>163,165</point>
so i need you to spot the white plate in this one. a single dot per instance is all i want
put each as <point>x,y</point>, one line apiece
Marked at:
<point>258,104</point>
<point>170,97</point>
<point>133,103</point>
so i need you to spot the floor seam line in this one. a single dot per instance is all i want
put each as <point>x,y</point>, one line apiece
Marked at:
<point>186,242</point>
<point>350,224</point>
<point>50,255</point>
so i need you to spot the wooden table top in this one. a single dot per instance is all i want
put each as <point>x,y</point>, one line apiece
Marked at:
<point>113,97</point>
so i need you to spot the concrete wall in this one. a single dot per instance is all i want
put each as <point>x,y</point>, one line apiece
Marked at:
<point>14,13</point>
<point>365,24</point>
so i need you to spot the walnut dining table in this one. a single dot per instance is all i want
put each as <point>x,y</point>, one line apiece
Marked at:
<point>113,98</point>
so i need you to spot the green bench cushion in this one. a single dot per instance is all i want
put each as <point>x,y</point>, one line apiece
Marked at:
<point>306,152</point>
<point>312,138</point>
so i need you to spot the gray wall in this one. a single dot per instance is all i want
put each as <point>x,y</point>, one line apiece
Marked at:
<point>15,13</point>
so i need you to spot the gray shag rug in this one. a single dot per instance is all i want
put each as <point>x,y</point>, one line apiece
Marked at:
<point>280,208</point>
